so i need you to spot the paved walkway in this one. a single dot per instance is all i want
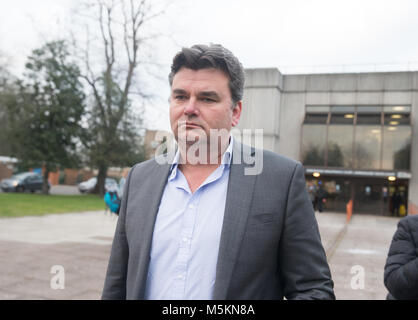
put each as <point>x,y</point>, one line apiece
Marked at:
<point>31,246</point>
<point>80,243</point>
<point>360,248</point>
<point>64,190</point>
<point>61,190</point>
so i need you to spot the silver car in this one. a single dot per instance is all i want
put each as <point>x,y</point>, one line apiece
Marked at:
<point>89,185</point>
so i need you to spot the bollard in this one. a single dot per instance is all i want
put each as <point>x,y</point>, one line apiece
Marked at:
<point>349,209</point>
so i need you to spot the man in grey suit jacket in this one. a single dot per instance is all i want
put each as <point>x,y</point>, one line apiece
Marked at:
<point>210,230</point>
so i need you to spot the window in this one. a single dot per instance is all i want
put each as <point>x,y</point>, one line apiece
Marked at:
<point>316,115</point>
<point>340,146</point>
<point>361,137</point>
<point>342,115</point>
<point>396,147</point>
<point>368,143</point>
<point>340,137</point>
<point>313,144</point>
<point>397,115</point>
<point>369,115</point>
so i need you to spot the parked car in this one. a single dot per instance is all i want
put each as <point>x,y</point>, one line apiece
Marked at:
<point>23,181</point>
<point>89,185</point>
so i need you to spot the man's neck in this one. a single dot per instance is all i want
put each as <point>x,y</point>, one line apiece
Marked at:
<point>196,172</point>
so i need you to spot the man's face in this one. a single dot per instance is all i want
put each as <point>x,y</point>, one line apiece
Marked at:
<point>201,100</point>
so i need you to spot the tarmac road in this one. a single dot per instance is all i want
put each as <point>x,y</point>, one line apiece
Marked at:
<point>79,244</point>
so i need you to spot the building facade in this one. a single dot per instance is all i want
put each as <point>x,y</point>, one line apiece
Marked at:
<point>353,132</point>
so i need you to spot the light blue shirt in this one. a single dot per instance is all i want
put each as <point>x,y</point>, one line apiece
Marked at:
<point>187,233</point>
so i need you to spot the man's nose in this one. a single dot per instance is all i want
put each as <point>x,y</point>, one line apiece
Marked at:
<point>191,107</point>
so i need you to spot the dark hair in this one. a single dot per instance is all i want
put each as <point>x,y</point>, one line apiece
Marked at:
<point>213,56</point>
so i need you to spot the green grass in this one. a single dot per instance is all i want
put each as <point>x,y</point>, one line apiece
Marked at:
<point>19,205</point>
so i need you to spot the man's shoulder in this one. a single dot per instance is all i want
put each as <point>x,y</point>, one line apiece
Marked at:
<point>279,166</point>
<point>272,158</point>
<point>279,159</point>
<point>146,166</point>
<point>273,161</point>
<point>265,163</point>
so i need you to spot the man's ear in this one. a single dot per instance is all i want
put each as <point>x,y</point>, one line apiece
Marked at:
<point>236,113</point>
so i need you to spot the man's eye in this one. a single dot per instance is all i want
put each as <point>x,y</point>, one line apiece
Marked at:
<point>208,100</point>
<point>181,98</point>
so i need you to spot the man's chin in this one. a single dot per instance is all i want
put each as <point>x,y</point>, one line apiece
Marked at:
<point>190,140</point>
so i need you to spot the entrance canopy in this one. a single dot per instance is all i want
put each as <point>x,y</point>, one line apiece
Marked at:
<point>359,173</point>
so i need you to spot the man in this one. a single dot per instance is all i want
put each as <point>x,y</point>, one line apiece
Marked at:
<point>200,227</point>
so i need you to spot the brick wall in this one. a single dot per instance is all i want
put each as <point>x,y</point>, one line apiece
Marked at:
<point>5,171</point>
<point>71,176</point>
<point>54,178</point>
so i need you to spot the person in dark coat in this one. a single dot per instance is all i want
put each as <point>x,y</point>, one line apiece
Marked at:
<point>396,202</point>
<point>401,269</point>
<point>320,198</point>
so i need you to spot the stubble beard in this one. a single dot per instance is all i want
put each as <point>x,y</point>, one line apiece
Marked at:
<point>197,147</point>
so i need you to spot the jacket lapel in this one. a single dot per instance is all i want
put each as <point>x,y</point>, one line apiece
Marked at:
<point>238,202</point>
<point>150,202</point>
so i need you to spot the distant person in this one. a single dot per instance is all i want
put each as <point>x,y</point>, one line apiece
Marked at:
<point>401,269</point>
<point>396,202</point>
<point>385,194</point>
<point>312,196</point>
<point>402,205</point>
<point>320,198</point>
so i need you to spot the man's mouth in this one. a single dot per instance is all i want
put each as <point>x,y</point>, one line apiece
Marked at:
<point>191,125</point>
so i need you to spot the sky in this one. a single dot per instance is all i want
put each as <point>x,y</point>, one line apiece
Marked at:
<point>295,36</point>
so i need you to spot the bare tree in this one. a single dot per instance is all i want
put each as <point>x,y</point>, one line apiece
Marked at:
<point>7,94</point>
<point>111,60</point>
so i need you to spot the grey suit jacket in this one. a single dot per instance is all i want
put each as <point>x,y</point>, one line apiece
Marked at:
<point>270,245</point>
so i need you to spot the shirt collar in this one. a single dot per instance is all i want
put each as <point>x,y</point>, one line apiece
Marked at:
<point>226,158</point>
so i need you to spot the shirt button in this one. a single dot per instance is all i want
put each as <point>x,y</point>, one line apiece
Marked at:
<point>185,239</point>
<point>191,206</point>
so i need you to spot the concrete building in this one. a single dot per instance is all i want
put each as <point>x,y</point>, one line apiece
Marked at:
<point>355,133</point>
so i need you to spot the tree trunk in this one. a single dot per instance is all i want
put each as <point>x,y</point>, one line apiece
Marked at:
<point>45,186</point>
<point>101,178</point>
